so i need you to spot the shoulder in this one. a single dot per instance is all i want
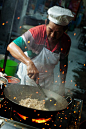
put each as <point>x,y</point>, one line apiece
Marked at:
<point>38,30</point>
<point>66,37</point>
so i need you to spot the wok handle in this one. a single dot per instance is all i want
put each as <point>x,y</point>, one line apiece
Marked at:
<point>42,90</point>
<point>70,99</point>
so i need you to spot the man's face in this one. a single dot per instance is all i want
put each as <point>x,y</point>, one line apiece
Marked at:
<point>54,32</point>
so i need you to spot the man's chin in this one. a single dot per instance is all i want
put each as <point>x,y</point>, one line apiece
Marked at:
<point>52,40</point>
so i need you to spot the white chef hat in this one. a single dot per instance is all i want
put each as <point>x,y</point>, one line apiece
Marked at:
<point>59,15</point>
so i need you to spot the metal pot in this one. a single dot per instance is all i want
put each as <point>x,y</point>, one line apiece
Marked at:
<point>15,92</point>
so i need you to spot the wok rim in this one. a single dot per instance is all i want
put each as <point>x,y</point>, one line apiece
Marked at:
<point>34,108</point>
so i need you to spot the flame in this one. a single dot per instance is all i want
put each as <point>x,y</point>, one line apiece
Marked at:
<point>22,116</point>
<point>84,64</point>
<point>41,120</point>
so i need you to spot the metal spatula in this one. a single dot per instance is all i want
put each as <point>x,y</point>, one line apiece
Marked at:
<point>50,103</point>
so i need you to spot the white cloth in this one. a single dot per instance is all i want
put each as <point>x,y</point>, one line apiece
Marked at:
<point>45,63</point>
<point>59,15</point>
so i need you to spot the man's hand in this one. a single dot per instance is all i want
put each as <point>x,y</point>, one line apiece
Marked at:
<point>32,72</point>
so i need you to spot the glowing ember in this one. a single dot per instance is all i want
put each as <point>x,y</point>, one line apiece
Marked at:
<point>61,49</point>
<point>54,124</point>
<point>6,120</point>
<point>74,34</point>
<point>84,64</point>
<point>64,65</point>
<point>46,71</point>
<point>67,107</point>
<point>38,114</point>
<point>3,24</point>
<point>55,104</point>
<point>60,125</point>
<point>28,41</point>
<point>41,120</point>
<point>14,98</point>
<point>62,81</point>
<point>74,111</point>
<point>37,92</point>
<point>20,27</point>
<point>75,84</point>
<point>66,118</point>
<point>18,17</point>
<point>6,21</point>
<point>2,69</point>
<point>63,72</point>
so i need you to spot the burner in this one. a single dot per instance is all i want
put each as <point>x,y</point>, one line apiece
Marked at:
<point>61,120</point>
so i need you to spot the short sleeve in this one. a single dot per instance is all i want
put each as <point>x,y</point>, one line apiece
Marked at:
<point>21,43</point>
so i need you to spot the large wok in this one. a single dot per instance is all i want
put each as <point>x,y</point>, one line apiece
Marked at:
<point>15,92</point>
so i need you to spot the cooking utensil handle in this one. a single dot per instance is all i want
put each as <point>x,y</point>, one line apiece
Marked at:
<point>41,90</point>
<point>70,99</point>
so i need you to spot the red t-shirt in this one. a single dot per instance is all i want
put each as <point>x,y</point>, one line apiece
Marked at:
<point>39,35</point>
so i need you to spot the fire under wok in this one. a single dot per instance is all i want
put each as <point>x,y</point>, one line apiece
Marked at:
<point>15,92</point>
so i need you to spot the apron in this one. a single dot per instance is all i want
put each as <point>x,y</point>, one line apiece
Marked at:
<point>45,63</point>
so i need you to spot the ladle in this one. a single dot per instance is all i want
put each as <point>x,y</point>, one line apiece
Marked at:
<point>50,103</point>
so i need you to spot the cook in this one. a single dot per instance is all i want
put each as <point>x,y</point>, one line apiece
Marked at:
<point>41,48</point>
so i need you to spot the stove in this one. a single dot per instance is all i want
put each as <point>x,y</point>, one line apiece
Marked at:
<point>66,119</point>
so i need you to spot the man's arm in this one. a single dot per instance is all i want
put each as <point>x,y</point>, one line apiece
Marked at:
<point>63,72</point>
<point>17,53</point>
<point>63,69</point>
